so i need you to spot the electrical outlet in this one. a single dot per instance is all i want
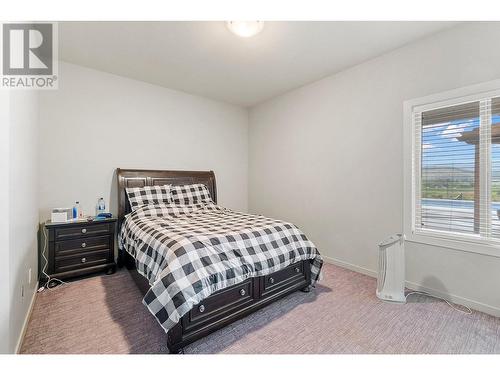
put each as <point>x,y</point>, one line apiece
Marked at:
<point>29,276</point>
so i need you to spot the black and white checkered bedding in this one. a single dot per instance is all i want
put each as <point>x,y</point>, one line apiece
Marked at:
<point>148,195</point>
<point>190,194</point>
<point>188,252</point>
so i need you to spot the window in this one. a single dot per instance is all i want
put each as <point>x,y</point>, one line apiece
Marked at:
<point>455,168</point>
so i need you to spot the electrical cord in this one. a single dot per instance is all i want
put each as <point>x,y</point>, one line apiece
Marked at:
<point>44,269</point>
<point>467,310</point>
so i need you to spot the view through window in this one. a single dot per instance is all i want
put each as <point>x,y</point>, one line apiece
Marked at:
<point>495,167</point>
<point>458,156</point>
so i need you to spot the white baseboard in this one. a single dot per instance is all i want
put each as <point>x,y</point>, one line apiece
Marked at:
<point>350,266</point>
<point>476,305</point>
<point>26,320</point>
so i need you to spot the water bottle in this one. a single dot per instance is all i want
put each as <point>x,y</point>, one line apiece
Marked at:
<point>100,207</point>
<point>76,210</point>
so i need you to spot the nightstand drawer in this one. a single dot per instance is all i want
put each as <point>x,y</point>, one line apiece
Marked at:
<point>80,231</point>
<point>82,244</point>
<point>81,260</point>
<point>79,248</point>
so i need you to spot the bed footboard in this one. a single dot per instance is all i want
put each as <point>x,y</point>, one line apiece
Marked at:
<point>232,303</point>
<point>235,302</point>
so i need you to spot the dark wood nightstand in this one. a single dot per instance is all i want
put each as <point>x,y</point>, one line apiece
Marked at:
<point>79,248</point>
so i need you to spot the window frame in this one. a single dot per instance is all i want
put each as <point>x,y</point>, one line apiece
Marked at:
<point>461,242</point>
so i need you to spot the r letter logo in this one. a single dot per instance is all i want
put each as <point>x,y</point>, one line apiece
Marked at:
<point>29,59</point>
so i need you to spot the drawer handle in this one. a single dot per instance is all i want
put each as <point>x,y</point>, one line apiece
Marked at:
<point>84,244</point>
<point>84,260</point>
<point>271,280</point>
<point>297,269</point>
<point>84,230</point>
<point>201,308</point>
<point>243,292</point>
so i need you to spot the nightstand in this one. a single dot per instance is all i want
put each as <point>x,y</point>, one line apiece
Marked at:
<point>79,248</point>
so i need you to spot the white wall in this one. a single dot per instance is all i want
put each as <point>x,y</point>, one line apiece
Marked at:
<point>96,122</point>
<point>23,213</point>
<point>4,222</point>
<point>19,214</point>
<point>329,157</point>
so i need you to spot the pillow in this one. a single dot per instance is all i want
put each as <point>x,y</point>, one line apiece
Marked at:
<point>148,195</point>
<point>190,194</point>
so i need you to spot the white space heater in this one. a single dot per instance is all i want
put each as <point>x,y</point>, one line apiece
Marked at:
<point>391,269</point>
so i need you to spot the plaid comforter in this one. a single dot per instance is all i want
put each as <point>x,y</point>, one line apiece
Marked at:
<point>188,252</point>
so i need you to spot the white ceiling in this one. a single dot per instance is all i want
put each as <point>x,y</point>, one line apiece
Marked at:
<point>204,58</point>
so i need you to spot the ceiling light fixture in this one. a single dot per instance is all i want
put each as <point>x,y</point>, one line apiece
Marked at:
<point>245,29</point>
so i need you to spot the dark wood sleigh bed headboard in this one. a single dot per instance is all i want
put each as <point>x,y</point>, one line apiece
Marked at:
<point>140,178</point>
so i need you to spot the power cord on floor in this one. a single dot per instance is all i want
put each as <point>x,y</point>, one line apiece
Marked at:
<point>468,310</point>
<point>44,268</point>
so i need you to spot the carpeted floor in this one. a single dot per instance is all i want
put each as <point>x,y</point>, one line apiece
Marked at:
<point>104,314</point>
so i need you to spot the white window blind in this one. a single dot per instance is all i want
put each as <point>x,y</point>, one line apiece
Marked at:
<point>456,169</point>
<point>495,167</point>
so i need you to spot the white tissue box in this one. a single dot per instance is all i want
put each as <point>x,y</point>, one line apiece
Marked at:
<point>61,215</point>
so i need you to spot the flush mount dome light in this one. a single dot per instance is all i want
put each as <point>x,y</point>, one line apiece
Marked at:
<point>245,29</point>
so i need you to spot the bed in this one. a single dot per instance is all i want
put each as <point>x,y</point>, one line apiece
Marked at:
<point>201,266</point>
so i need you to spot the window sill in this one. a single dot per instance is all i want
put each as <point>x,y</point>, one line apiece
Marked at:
<point>469,245</point>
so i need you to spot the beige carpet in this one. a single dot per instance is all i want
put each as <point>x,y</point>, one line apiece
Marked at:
<point>104,314</point>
